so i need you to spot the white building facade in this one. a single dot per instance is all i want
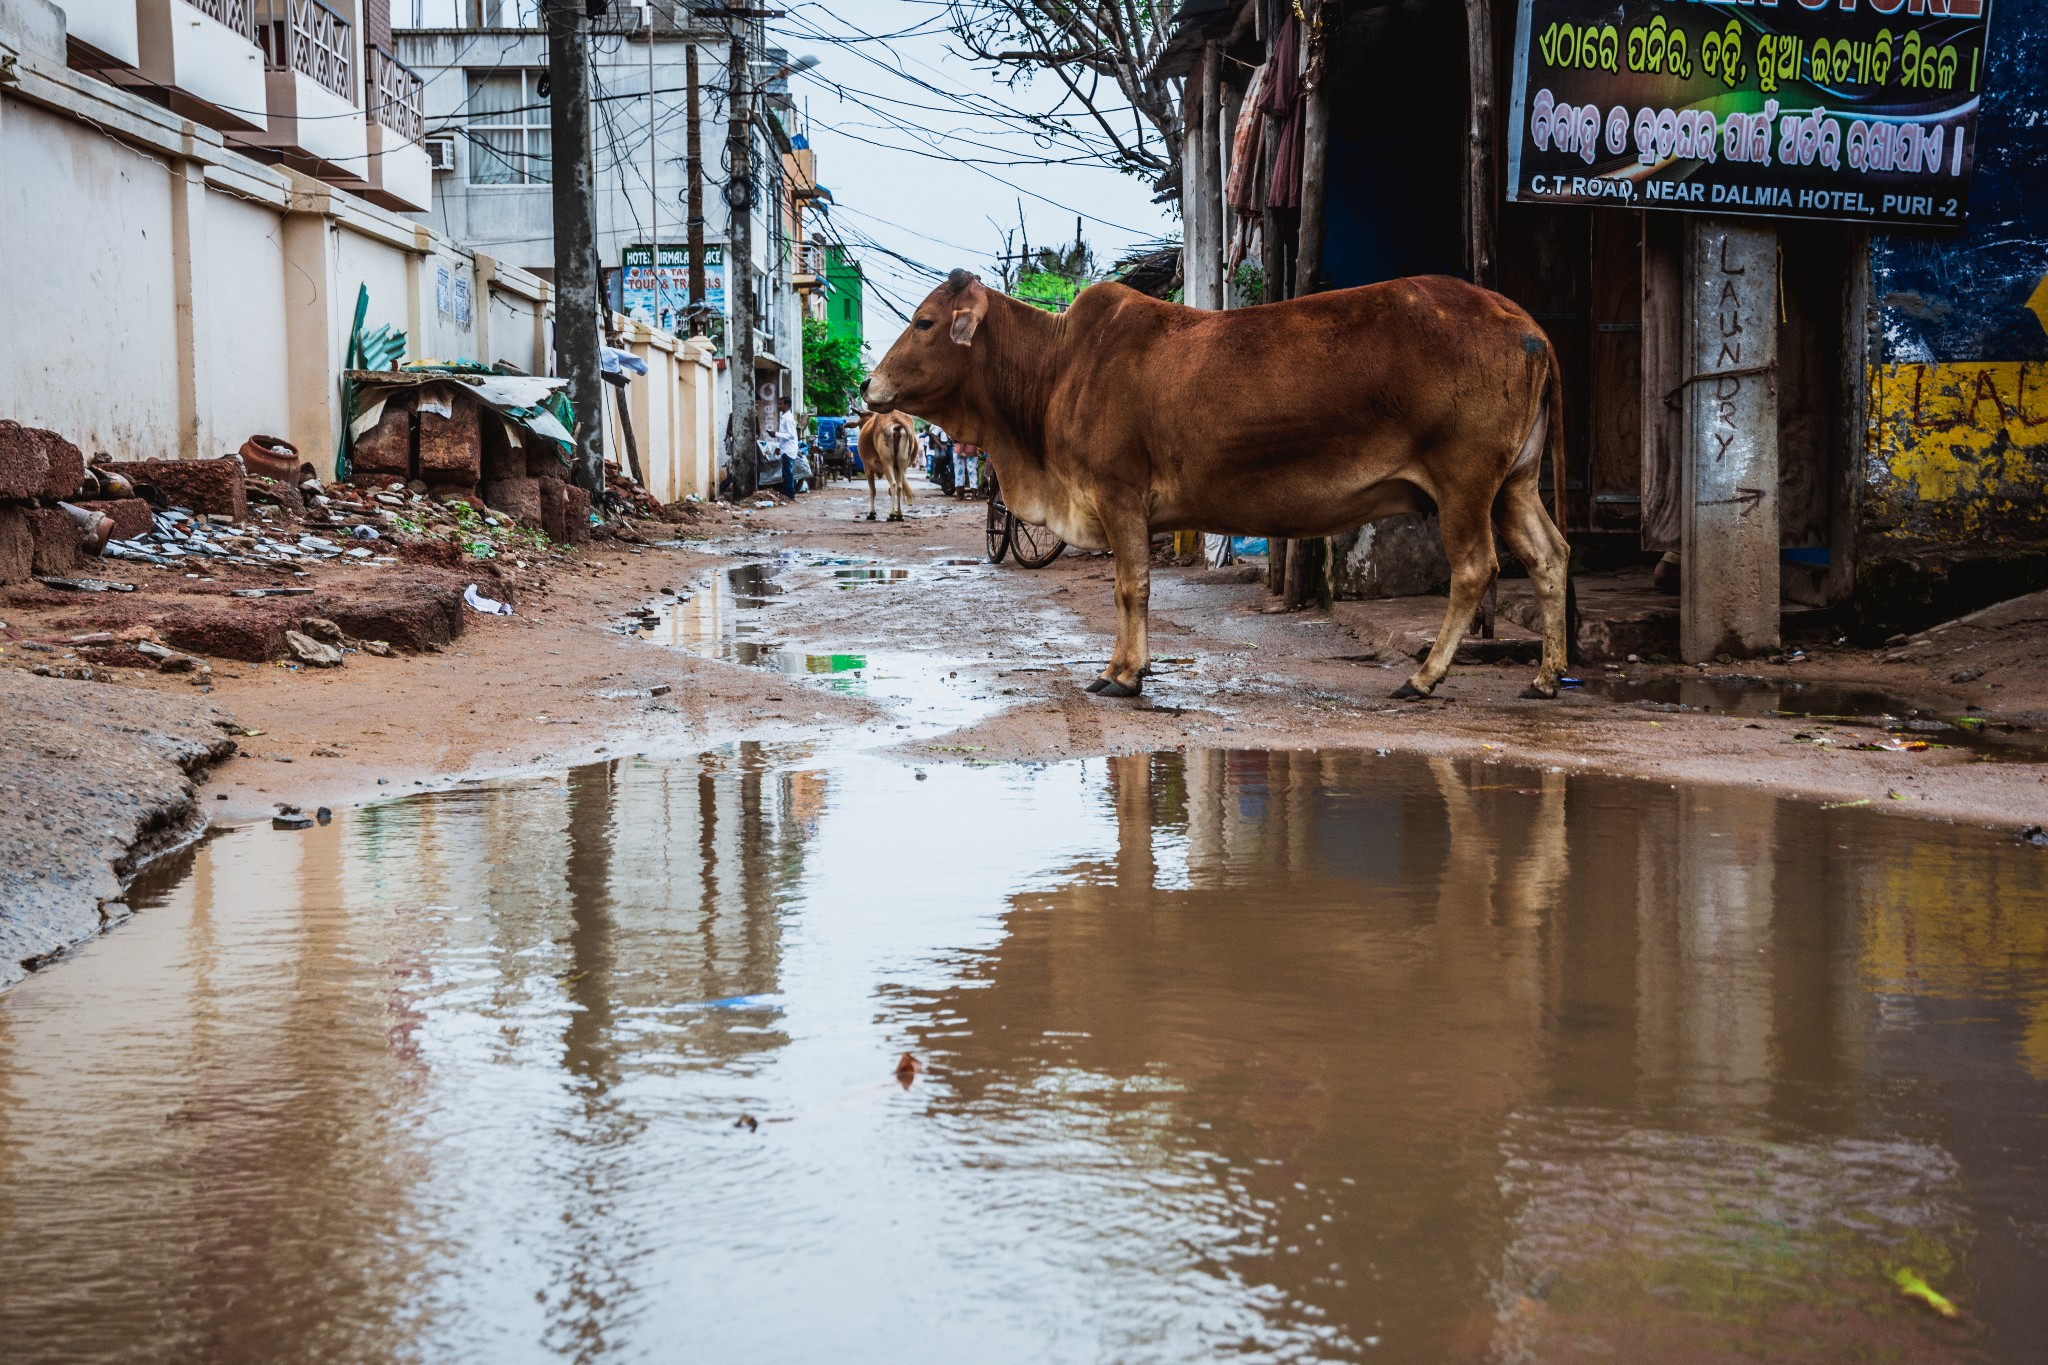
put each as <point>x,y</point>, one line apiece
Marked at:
<point>483,65</point>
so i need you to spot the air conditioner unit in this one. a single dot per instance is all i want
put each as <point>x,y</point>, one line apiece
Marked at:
<point>441,153</point>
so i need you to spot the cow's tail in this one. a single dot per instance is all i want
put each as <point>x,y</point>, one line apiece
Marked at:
<point>1553,421</point>
<point>1553,418</point>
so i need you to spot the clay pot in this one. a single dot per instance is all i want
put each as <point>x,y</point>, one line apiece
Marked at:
<point>271,456</point>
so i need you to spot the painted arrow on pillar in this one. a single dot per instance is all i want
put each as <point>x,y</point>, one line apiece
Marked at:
<point>1747,497</point>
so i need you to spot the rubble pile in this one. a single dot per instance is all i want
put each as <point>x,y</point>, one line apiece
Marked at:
<point>39,532</point>
<point>433,433</point>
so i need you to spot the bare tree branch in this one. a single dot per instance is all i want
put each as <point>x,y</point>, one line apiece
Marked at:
<point>1113,41</point>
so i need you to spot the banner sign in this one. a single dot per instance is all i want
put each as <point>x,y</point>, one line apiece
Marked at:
<point>1856,110</point>
<point>661,297</point>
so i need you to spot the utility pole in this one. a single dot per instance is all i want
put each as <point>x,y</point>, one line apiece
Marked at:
<point>739,259</point>
<point>696,224</point>
<point>654,174</point>
<point>576,329</point>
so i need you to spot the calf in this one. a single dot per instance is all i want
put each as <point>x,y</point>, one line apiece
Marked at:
<point>1127,415</point>
<point>888,445</point>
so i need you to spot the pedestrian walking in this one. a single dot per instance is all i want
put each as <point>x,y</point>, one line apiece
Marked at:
<point>785,444</point>
<point>966,469</point>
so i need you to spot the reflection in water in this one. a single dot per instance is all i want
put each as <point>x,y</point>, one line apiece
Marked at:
<point>1291,1055</point>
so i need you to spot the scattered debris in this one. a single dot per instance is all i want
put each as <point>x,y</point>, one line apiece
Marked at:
<point>2034,836</point>
<point>1913,1287</point>
<point>488,606</point>
<point>748,1122</point>
<point>85,584</point>
<point>282,821</point>
<point>310,652</point>
<point>907,1068</point>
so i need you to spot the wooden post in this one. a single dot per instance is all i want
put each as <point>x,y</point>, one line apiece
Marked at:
<point>1480,214</point>
<point>1315,157</point>
<point>1210,205</point>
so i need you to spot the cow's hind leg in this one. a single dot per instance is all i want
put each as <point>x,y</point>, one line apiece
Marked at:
<point>871,488</point>
<point>1468,544</point>
<point>1536,541</point>
<point>1131,543</point>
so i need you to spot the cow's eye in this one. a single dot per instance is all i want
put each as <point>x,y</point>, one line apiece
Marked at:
<point>923,324</point>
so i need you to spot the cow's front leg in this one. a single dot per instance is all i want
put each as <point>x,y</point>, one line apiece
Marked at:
<point>871,492</point>
<point>1131,542</point>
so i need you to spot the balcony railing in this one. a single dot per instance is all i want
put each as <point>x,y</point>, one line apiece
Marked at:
<point>810,259</point>
<point>397,96</point>
<point>307,37</point>
<point>239,15</point>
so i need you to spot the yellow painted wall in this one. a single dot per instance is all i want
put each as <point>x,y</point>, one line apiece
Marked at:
<point>1959,451</point>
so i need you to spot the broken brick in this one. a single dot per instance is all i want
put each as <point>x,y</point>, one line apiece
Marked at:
<point>451,446</point>
<point>67,467</point>
<point>518,498</point>
<point>24,461</point>
<point>564,512</point>
<point>205,486</point>
<point>131,516</point>
<point>17,545</point>
<point>58,542</point>
<point>385,450</point>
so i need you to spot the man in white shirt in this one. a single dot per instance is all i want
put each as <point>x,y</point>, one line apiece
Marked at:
<point>785,444</point>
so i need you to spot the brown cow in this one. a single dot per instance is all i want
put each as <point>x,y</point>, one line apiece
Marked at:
<point>888,445</point>
<point>1127,415</point>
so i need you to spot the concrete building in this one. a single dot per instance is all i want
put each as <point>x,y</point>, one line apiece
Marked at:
<point>187,263</point>
<point>482,63</point>
<point>843,295</point>
<point>299,83</point>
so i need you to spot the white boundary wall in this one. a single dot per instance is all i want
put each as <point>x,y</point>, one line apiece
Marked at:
<point>165,296</point>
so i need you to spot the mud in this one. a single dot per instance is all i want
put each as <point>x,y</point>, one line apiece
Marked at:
<point>1292,1055</point>
<point>88,794</point>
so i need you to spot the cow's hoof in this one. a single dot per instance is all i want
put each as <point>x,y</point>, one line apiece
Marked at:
<point>871,516</point>
<point>1536,692</point>
<point>895,516</point>
<point>1408,691</point>
<point>1097,685</point>
<point>1112,688</point>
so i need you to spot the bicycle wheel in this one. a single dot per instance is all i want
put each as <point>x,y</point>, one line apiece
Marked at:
<point>998,530</point>
<point>1033,547</point>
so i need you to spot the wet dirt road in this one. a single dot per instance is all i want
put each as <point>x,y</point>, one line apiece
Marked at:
<point>1311,1055</point>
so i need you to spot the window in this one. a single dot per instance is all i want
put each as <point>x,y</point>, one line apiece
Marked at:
<point>508,129</point>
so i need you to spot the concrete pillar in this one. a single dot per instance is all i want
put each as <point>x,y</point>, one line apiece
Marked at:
<point>315,334</point>
<point>1729,601</point>
<point>188,261</point>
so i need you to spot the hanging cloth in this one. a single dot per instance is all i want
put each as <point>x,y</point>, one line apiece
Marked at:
<point>1282,101</point>
<point>1247,147</point>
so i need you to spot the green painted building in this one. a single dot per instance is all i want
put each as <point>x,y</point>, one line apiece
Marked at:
<point>843,297</point>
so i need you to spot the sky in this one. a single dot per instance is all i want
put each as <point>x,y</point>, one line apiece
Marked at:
<point>893,107</point>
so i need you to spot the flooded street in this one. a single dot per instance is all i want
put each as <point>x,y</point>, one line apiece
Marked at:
<point>1273,1055</point>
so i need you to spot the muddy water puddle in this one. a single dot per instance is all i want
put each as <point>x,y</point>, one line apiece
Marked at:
<point>730,616</point>
<point>1287,1056</point>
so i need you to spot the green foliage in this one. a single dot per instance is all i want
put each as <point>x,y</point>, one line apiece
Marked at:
<point>1251,284</point>
<point>1048,291</point>
<point>833,370</point>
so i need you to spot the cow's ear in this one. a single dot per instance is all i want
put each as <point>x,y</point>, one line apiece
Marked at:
<point>968,317</point>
